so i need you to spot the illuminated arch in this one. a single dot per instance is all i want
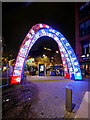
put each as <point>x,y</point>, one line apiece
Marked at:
<point>69,59</point>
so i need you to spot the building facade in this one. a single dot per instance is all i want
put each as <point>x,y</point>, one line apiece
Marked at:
<point>82,34</point>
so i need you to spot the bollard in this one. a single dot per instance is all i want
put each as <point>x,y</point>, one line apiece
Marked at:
<point>68,99</point>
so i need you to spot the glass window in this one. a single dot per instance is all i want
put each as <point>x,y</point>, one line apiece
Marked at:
<point>81,29</point>
<point>84,28</point>
<point>84,10</point>
<point>85,48</point>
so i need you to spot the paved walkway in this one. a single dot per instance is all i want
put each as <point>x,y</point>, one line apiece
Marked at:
<point>42,97</point>
<point>83,110</point>
<point>45,78</point>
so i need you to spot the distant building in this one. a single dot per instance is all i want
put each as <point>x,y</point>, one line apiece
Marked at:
<point>82,33</point>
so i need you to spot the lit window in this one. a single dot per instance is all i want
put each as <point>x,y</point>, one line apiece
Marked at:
<point>45,48</point>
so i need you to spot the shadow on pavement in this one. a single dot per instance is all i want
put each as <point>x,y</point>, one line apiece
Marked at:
<point>17,101</point>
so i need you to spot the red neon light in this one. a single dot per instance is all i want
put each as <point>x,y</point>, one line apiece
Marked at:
<point>15,79</point>
<point>67,75</point>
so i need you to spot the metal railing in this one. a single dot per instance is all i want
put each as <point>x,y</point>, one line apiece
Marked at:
<point>5,72</point>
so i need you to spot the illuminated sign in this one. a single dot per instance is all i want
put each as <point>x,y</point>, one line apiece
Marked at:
<point>41,68</point>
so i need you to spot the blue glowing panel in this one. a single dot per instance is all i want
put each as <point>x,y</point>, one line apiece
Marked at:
<point>67,50</point>
<point>49,33</point>
<point>73,59</point>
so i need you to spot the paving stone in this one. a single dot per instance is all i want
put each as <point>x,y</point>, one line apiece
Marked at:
<point>42,99</point>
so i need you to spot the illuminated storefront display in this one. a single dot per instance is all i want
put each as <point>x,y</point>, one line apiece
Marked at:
<point>41,69</point>
<point>69,60</point>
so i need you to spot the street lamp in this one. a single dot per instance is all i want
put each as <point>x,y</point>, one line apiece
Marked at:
<point>43,55</point>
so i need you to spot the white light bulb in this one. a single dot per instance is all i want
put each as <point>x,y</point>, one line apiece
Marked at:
<point>18,79</point>
<point>69,52</point>
<point>40,25</point>
<point>66,55</point>
<point>62,38</point>
<point>43,31</point>
<point>29,35</point>
<point>46,26</point>
<point>57,33</point>
<point>65,69</point>
<point>50,35</point>
<point>63,50</point>
<point>78,74</point>
<point>68,59</point>
<point>32,31</point>
<point>53,31</point>
<point>56,38</point>
<point>67,44</point>
<point>60,44</point>
<point>76,69</point>
<point>37,36</point>
<point>73,59</point>
<point>70,69</point>
<point>27,43</point>
<point>75,63</point>
<point>62,55</point>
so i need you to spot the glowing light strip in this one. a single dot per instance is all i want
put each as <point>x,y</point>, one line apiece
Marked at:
<point>38,31</point>
<point>45,32</point>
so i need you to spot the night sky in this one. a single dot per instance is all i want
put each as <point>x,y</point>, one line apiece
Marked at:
<point>18,18</point>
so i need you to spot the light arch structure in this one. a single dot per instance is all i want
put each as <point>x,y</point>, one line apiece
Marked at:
<point>69,60</point>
